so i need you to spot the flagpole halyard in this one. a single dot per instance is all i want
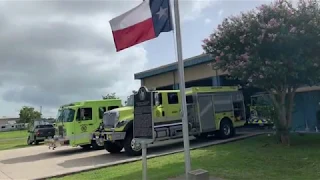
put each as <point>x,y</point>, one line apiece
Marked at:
<point>182,89</point>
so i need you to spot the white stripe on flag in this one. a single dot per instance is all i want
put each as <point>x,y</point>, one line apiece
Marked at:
<point>136,15</point>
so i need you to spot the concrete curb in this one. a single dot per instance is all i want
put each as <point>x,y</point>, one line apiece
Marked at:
<point>241,137</point>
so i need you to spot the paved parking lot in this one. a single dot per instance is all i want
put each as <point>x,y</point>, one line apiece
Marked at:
<point>40,162</point>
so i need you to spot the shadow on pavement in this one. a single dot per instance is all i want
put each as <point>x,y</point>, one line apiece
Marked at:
<point>43,156</point>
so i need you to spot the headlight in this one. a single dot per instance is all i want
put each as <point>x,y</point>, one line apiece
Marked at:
<point>121,123</point>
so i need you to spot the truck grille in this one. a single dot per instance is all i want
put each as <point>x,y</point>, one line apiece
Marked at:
<point>109,119</point>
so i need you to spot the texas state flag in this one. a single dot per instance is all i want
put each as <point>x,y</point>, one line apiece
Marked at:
<point>142,23</point>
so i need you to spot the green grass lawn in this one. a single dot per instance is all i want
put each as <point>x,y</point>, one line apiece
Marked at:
<point>8,140</point>
<point>14,134</point>
<point>12,144</point>
<point>251,159</point>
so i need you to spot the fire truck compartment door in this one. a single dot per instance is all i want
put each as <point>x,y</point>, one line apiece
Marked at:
<point>206,113</point>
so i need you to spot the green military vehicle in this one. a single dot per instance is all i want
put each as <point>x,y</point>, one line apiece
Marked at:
<point>211,110</point>
<point>77,121</point>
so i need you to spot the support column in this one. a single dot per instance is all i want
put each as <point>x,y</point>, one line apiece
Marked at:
<point>216,81</point>
<point>175,86</point>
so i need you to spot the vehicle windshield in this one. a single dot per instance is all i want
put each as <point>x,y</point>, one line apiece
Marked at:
<point>58,115</point>
<point>130,101</point>
<point>65,115</point>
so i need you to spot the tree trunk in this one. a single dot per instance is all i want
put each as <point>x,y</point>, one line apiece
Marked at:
<point>283,129</point>
<point>284,105</point>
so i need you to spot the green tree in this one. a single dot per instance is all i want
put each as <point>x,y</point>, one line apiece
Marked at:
<point>276,48</point>
<point>110,96</point>
<point>28,114</point>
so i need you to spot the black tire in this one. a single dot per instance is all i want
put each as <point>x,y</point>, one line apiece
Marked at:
<point>36,142</point>
<point>129,150</point>
<point>226,129</point>
<point>29,142</point>
<point>113,148</point>
<point>95,146</point>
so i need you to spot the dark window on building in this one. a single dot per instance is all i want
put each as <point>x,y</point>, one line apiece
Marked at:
<point>173,98</point>
<point>165,88</point>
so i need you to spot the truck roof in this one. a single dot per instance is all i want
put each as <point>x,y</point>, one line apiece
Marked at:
<point>92,102</point>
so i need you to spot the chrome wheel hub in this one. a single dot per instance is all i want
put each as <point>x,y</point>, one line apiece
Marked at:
<point>135,145</point>
<point>226,130</point>
<point>100,141</point>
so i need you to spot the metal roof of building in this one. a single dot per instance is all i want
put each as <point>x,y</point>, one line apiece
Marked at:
<point>203,58</point>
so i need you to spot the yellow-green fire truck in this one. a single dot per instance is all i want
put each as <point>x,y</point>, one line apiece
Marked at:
<point>211,110</point>
<point>77,121</point>
<point>260,110</point>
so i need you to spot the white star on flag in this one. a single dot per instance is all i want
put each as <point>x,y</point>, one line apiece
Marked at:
<point>162,12</point>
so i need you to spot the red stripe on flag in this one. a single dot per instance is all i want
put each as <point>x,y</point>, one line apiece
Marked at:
<point>133,35</point>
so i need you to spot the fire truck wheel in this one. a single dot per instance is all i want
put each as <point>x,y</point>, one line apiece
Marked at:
<point>130,146</point>
<point>112,148</point>
<point>95,146</point>
<point>226,129</point>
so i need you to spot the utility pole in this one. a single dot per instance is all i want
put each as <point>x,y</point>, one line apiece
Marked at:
<point>40,111</point>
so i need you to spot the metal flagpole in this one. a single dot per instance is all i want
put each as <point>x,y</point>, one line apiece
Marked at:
<point>182,90</point>
<point>144,160</point>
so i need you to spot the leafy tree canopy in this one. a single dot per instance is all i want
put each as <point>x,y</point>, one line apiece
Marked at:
<point>110,96</point>
<point>28,114</point>
<point>275,47</point>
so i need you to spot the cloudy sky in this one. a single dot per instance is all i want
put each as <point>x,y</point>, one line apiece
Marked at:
<point>59,51</point>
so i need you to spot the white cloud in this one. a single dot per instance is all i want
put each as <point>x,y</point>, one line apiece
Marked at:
<point>207,21</point>
<point>56,52</point>
<point>193,9</point>
<point>220,12</point>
